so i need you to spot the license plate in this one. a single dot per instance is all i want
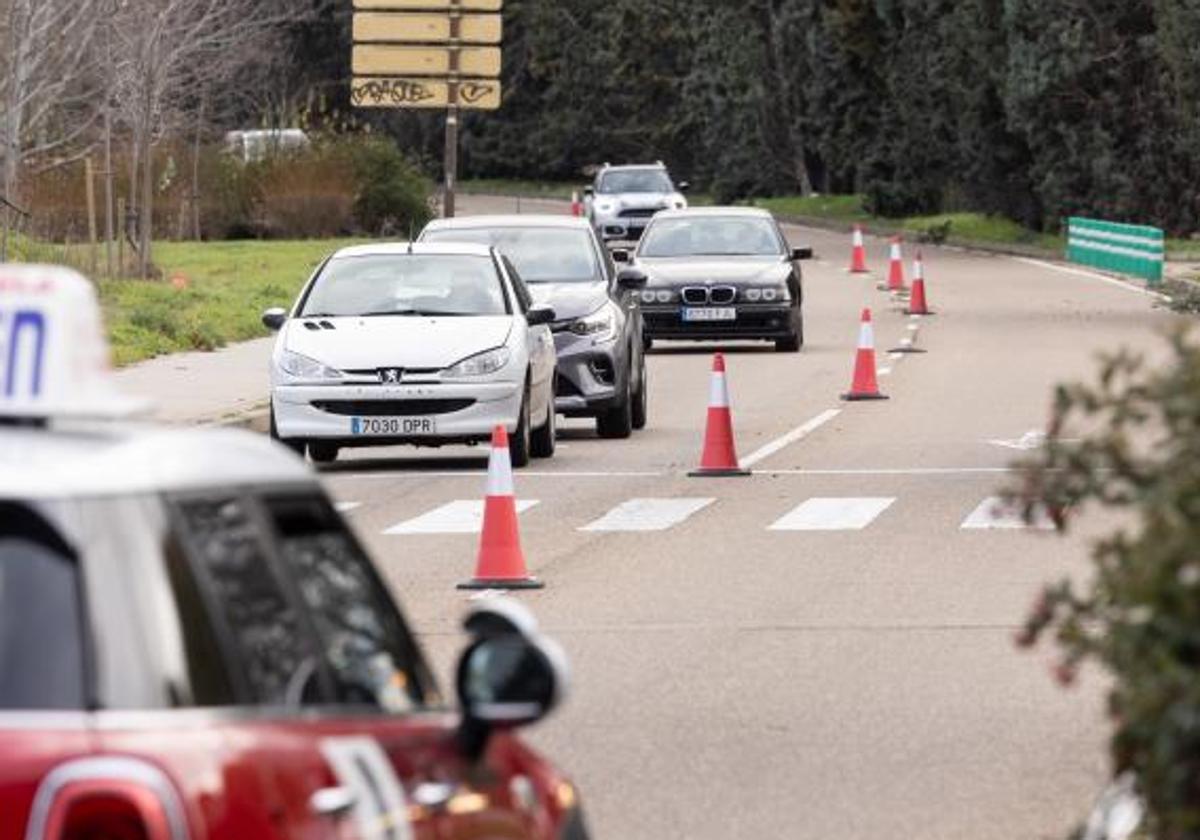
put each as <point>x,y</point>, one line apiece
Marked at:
<point>392,426</point>
<point>724,313</point>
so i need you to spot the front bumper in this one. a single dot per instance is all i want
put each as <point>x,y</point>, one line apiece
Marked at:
<point>754,321</point>
<point>463,412</point>
<point>590,374</point>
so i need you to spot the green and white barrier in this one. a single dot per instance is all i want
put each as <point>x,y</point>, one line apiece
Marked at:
<point>1125,249</point>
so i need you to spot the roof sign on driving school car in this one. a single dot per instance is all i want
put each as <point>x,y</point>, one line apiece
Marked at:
<point>53,352</point>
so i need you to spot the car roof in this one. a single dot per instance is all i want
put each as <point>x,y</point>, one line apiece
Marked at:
<point>531,220</point>
<point>738,212</point>
<point>609,167</point>
<point>379,249</point>
<point>84,460</point>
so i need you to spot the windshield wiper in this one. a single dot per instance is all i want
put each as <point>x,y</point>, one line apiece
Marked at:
<point>416,313</point>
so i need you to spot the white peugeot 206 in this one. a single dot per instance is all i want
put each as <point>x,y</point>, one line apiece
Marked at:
<point>413,344</point>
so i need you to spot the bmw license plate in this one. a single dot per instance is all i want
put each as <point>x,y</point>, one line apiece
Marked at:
<point>392,426</point>
<point>710,313</point>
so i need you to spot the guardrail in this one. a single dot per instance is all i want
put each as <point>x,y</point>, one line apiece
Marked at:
<point>1125,249</point>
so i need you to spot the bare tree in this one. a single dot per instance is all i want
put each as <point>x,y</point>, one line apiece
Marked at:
<point>169,56</point>
<point>46,84</point>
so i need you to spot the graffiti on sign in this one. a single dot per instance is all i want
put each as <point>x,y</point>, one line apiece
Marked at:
<point>472,92</point>
<point>394,92</point>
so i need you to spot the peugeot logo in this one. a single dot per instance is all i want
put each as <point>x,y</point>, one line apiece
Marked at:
<point>390,376</point>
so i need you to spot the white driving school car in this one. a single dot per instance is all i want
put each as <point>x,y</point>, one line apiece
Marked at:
<point>413,344</point>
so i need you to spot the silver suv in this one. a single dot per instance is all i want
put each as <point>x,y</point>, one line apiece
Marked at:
<point>623,199</point>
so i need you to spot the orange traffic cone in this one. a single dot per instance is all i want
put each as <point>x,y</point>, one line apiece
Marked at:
<point>576,204</point>
<point>865,385</point>
<point>895,281</point>
<point>720,454</point>
<point>501,563</point>
<point>858,255</point>
<point>917,304</point>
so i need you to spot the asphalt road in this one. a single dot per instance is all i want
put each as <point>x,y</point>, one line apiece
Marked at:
<point>736,681</point>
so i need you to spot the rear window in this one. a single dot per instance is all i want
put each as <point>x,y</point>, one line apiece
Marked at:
<point>541,255</point>
<point>41,622</point>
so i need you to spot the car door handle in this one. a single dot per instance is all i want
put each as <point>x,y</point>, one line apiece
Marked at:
<point>333,802</point>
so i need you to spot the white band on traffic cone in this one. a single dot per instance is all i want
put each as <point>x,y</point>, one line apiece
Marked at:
<point>896,255</point>
<point>718,391</point>
<point>500,477</point>
<point>866,336</point>
<point>858,239</point>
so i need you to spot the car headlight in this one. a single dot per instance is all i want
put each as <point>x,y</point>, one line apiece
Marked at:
<point>480,364</point>
<point>601,325</point>
<point>299,366</point>
<point>648,296</point>
<point>664,296</point>
<point>770,294</point>
<point>604,206</point>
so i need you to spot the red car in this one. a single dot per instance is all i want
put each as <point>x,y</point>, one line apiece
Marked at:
<point>193,645</point>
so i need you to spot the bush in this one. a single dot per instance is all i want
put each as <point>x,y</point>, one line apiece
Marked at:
<point>1139,614</point>
<point>393,195</point>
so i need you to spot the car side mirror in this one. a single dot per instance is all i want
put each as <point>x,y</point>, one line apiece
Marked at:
<point>620,255</point>
<point>632,278</point>
<point>274,318</point>
<point>802,253</point>
<point>684,186</point>
<point>538,315</point>
<point>589,191</point>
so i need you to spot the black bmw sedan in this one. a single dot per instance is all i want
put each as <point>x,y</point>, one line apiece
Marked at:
<point>720,273</point>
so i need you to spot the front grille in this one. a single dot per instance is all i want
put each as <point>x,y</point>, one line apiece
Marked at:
<point>722,294</point>
<point>638,213</point>
<point>408,373</point>
<point>695,295</point>
<point>392,408</point>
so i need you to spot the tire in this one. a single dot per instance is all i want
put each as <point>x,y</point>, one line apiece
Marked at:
<point>647,343</point>
<point>295,444</point>
<point>544,439</point>
<point>641,400</point>
<point>617,422</point>
<point>321,452</point>
<point>795,341</point>
<point>520,444</point>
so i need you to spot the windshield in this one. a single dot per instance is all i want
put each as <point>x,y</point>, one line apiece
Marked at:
<point>541,255</point>
<point>717,236</point>
<point>635,181</point>
<point>407,284</point>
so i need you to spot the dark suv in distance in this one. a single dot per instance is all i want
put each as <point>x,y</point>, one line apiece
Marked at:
<point>598,333</point>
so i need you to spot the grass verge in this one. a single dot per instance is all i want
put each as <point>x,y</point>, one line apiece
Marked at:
<point>560,190</point>
<point>961,228</point>
<point>220,291</point>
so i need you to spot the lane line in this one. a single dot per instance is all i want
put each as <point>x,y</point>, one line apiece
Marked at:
<point>895,357</point>
<point>829,514</point>
<point>1078,272</point>
<point>885,371</point>
<point>797,434</point>
<point>648,514</point>
<point>475,474</point>
<point>458,517</point>
<point>994,514</point>
<point>346,507</point>
<point>899,471</point>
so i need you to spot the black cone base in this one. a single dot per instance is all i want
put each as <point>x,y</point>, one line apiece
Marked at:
<point>730,473</point>
<point>518,583</point>
<point>864,397</point>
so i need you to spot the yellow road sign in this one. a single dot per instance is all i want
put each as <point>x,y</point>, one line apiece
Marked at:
<point>432,5</point>
<point>422,28</point>
<point>389,60</point>
<point>395,92</point>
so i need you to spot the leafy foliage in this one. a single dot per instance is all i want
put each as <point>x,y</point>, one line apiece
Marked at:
<point>1139,614</point>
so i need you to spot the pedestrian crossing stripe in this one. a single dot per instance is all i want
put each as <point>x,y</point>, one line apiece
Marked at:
<point>648,514</point>
<point>829,514</point>
<point>996,514</point>
<point>457,517</point>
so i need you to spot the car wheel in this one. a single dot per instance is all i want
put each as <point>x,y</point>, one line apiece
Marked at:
<point>641,400</point>
<point>520,444</point>
<point>617,422</point>
<point>647,342</point>
<point>295,444</point>
<point>544,439</point>
<point>321,452</point>
<point>791,344</point>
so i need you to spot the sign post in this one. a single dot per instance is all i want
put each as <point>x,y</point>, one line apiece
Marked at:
<point>429,54</point>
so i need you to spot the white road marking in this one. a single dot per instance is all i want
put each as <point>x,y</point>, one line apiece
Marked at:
<point>994,514</point>
<point>475,474</point>
<point>486,594</point>
<point>648,514</point>
<point>1029,441</point>
<point>457,517</point>
<point>885,371</point>
<point>825,514</point>
<point>906,342</point>
<point>346,507</point>
<point>1092,275</point>
<point>895,357</point>
<point>797,434</point>
<point>913,327</point>
<point>900,471</point>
